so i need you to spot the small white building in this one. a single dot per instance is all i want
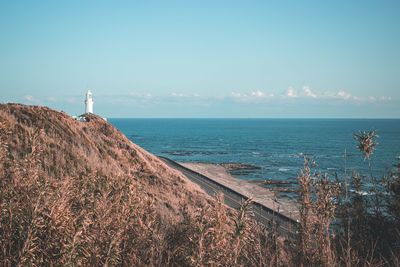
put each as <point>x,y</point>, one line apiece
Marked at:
<point>89,103</point>
<point>88,108</point>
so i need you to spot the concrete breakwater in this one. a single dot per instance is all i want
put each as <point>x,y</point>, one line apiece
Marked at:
<point>266,208</point>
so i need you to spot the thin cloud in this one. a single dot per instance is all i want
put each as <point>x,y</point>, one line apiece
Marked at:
<point>292,93</point>
<point>140,96</point>
<point>308,93</point>
<point>178,94</point>
<point>343,95</point>
<point>254,96</point>
<point>365,99</point>
<point>174,94</point>
<point>257,94</point>
<point>385,98</point>
<point>238,95</point>
<point>31,100</point>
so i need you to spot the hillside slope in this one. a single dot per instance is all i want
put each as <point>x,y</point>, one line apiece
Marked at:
<point>82,193</point>
<point>69,148</point>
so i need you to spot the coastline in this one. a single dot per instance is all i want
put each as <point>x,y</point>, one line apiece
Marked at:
<point>258,193</point>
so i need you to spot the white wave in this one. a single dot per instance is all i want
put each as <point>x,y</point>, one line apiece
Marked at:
<point>362,192</point>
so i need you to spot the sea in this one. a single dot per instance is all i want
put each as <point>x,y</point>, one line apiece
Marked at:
<point>275,147</point>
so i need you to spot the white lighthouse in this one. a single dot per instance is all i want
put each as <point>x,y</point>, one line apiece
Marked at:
<point>89,102</point>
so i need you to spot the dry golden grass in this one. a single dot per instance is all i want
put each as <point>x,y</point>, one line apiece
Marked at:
<point>82,194</point>
<point>76,193</point>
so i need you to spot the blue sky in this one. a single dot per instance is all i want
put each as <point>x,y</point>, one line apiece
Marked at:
<point>272,59</point>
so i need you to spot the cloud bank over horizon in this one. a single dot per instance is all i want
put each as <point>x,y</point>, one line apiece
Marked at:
<point>250,101</point>
<point>250,96</point>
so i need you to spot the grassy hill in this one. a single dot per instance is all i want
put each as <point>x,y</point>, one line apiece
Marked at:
<point>81,193</point>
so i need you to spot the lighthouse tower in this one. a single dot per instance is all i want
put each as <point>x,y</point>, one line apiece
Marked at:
<point>89,102</point>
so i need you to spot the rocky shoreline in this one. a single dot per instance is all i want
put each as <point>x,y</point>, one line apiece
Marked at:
<point>285,189</point>
<point>278,186</point>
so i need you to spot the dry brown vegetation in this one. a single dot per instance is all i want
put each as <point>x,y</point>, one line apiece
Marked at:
<point>80,193</point>
<point>355,223</point>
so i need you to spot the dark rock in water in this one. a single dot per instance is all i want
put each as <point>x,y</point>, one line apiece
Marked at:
<point>286,189</point>
<point>278,182</point>
<point>242,172</point>
<point>192,152</point>
<point>237,166</point>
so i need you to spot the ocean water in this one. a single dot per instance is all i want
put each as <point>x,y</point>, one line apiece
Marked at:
<point>276,146</point>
